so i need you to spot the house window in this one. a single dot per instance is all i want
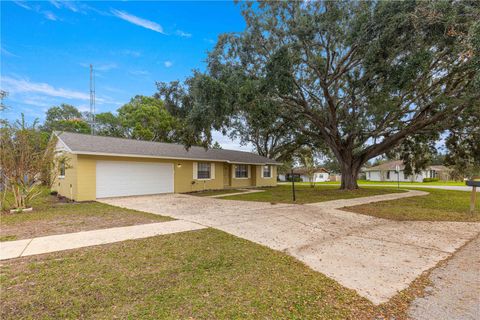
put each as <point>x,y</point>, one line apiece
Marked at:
<point>388,174</point>
<point>203,171</point>
<point>62,169</point>
<point>241,171</point>
<point>267,171</point>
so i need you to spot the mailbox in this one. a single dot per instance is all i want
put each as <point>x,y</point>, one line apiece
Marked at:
<point>473,183</point>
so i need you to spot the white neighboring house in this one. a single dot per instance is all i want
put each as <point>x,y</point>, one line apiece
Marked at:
<point>386,172</point>
<point>320,175</point>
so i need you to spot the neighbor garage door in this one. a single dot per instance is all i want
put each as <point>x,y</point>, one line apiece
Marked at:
<point>128,178</point>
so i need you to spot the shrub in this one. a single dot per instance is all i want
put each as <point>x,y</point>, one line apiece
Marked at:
<point>296,179</point>
<point>25,152</point>
<point>430,179</point>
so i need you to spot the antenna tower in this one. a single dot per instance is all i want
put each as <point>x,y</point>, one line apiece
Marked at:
<point>92,100</point>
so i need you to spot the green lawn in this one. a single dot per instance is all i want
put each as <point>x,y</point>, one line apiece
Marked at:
<point>51,216</point>
<point>439,205</point>
<point>306,194</point>
<point>204,274</point>
<point>405,184</point>
<point>419,184</point>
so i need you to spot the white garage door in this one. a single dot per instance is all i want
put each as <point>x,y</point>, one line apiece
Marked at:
<point>128,178</point>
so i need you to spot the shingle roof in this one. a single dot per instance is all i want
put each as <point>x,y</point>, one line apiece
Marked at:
<point>390,165</point>
<point>90,144</point>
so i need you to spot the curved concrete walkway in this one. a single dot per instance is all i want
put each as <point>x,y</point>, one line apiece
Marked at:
<point>28,247</point>
<point>375,257</point>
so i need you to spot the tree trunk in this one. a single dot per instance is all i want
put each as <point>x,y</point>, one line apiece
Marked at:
<point>349,176</point>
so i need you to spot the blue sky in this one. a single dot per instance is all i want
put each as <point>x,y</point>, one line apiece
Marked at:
<point>46,48</point>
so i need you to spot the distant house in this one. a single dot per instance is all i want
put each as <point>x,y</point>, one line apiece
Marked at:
<point>320,175</point>
<point>386,172</point>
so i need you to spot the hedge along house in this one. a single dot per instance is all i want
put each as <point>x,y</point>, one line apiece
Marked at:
<point>101,167</point>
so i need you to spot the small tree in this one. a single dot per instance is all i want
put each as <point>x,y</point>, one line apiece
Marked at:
<point>24,154</point>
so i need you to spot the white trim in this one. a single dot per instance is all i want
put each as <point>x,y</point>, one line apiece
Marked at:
<point>164,157</point>
<point>241,178</point>
<point>249,171</point>
<point>212,171</point>
<point>195,170</point>
<point>270,168</point>
<point>212,166</point>
<point>64,145</point>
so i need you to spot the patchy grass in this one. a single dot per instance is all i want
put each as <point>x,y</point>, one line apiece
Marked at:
<point>306,194</point>
<point>205,274</point>
<point>51,216</point>
<point>208,193</point>
<point>8,238</point>
<point>439,205</point>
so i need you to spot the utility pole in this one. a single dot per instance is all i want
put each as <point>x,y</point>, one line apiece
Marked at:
<point>92,100</point>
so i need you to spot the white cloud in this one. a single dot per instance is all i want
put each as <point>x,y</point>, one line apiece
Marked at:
<point>5,52</point>
<point>22,4</point>
<point>50,16</point>
<point>56,4</point>
<point>183,34</point>
<point>13,86</point>
<point>140,72</point>
<point>70,5</point>
<point>138,21</point>
<point>131,53</point>
<point>168,64</point>
<point>47,14</point>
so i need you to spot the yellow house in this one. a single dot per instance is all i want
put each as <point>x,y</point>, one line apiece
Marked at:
<point>100,167</point>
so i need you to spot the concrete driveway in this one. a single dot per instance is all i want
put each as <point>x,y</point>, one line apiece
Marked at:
<point>375,257</point>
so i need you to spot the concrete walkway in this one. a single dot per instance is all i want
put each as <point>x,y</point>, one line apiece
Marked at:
<point>375,257</point>
<point>28,247</point>
<point>455,289</point>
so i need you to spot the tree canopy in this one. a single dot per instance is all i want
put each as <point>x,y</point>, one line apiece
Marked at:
<point>358,77</point>
<point>65,118</point>
<point>146,118</point>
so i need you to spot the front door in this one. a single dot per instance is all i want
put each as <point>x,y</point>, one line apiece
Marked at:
<point>226,175</point>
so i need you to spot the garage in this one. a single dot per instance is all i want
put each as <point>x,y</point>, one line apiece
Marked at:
<point>129,178</point>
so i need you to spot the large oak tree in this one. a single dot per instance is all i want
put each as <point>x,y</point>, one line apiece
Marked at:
<point>359,77</point>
